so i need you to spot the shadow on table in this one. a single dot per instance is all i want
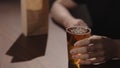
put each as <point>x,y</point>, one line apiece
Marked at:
<point>28,48</point>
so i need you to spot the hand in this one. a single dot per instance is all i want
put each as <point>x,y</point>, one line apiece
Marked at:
<point>74,22</point>
<point>94,50</point>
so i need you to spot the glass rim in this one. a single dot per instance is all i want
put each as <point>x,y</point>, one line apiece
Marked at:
<point>84,27</point>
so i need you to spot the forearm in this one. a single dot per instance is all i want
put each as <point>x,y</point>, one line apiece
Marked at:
<point>61,14</point>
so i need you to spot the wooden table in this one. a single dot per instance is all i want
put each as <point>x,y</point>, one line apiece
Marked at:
<point>10,29</point>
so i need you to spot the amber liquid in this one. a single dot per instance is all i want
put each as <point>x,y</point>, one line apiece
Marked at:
<point>71,39</point>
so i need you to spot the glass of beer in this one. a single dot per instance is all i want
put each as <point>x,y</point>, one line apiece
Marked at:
<point>74,34</point>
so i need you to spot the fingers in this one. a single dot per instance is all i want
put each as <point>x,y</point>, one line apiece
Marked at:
<point>88,55</point>
<point>82,42</point>
<point>80,56</point>
<point>79,50</point>
<point>94,61</point>
<point>91,40</point>
<point>87,49</point>
<point>90,58</point>
<point>95,39</point>
<point>98,60</point>
<point>94,47</point>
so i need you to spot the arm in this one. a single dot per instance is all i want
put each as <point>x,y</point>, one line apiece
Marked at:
<point>61,15</point>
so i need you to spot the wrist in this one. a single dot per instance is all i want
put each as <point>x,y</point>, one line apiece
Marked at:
<point>68,22</point>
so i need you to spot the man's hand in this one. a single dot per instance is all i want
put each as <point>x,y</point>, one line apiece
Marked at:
<point>74,22</point>
<point>94,50</point>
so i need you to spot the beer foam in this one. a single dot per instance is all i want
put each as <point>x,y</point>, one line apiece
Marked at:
<point>78,30</point>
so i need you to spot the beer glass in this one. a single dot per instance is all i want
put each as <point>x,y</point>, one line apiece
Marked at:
<point>74,34</point>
